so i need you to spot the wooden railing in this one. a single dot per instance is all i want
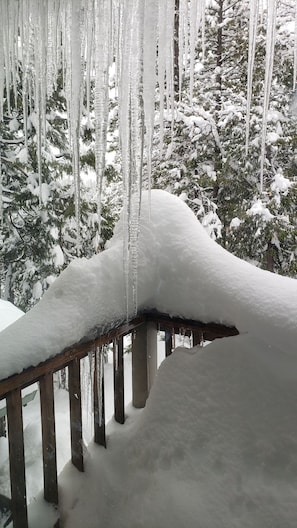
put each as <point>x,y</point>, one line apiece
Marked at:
<point>144,364</point>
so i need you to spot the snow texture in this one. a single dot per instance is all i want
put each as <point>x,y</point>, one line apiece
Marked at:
<point>8,314</point>
<point>180,271</point>
<point>215,447</point>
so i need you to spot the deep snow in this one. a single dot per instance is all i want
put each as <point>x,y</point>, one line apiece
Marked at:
<point>216,445</point>
<point>181,271</point>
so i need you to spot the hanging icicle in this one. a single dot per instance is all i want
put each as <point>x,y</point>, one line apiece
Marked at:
<point>270,41</point>
<point>295,50</point>
<point>141,39</point>
<point>74,102</point>
<point>253,23</point>
<point>103,29</point>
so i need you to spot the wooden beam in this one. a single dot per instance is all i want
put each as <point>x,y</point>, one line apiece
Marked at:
<point>48,439</point>
<point>17,459</point>
<point>75,414</point>
<point>118,380</point>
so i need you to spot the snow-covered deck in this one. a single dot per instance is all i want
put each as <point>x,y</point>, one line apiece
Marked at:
<point>181,272</point>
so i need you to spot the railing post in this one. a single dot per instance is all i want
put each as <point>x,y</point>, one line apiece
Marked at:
<point>144,362</point>
<point>197,337</point>
<point>99,399</point>
<point>75,414</point>
<point>118,380</point>
<point>48,439</point>
<point>17,459</point>
<point>168,343</point>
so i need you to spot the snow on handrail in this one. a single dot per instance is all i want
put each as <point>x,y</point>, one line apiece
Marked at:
<point>10,388</point>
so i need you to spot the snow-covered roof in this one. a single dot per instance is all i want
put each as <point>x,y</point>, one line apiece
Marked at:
<point>180,271</point>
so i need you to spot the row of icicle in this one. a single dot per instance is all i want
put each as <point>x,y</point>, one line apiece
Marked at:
<point>82,39</point>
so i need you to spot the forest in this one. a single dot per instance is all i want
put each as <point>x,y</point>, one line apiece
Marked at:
<point>209,115</point>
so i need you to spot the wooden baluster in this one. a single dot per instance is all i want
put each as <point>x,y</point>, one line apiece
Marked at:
<point>17,459</point>
<point>168,343</point>
<point>48,439</point>
<point>197,337</point>
<point>75,414</point>
<point>118,379</point>
<point>99,399</point>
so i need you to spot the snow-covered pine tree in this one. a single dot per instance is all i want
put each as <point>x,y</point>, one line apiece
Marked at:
<point>205,159</point>
<point>38,230</point>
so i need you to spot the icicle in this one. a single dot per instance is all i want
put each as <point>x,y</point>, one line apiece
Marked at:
<point>75,92</point>
<point>196,22</point>
<point>1,197</point>
<point>193,36</point>
<point>270,41</point>
<point>149,76</point>
<point>89,50</point>
<point>102,64</point>
<point>131,130</point>
<point>162,38</point>
<point>2,71</point>
<point>254,13</point>
<point>295,51</point>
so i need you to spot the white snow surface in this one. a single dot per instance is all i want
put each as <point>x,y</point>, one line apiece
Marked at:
<point>8,314</point>
<point>181,271</point>
<point>215,447</point>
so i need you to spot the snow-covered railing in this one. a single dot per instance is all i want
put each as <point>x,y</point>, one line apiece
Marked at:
<point>144,365</point>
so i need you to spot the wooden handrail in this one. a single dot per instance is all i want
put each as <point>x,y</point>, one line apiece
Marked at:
<point>10,389</point>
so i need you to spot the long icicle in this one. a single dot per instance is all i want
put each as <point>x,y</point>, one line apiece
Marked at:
<point>103,10</point>
<point>270,41</point>
<point>253,22</point>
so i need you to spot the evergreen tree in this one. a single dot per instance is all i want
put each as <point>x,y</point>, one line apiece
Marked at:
<point>206,152</point>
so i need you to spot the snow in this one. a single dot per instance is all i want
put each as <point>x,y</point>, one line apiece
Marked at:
<point>216,445</point>
<point>258,208</point>
<point>219,452</point>
<point>280,183</point>
<point>8,314</point>
<point>180,271</point>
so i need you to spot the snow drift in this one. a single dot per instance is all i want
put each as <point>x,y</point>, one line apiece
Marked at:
<point>215,447</point>
<point>181,271</point>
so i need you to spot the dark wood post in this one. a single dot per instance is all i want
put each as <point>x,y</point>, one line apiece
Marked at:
<point>75,414</point>
<point>168,343</point>
<point>197,337</point>
<point>48,439</point>
<point>118,380</point>
<point>99,400</point>
<point>17,459</point>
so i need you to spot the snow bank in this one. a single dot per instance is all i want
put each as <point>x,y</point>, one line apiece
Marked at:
<point>181,271</point>
<point>215,447</point>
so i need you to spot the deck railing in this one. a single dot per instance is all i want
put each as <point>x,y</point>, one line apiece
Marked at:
<point>144,365</point>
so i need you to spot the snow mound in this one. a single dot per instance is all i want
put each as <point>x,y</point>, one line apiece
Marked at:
<point>181,271</point>
<point>215,447</point>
